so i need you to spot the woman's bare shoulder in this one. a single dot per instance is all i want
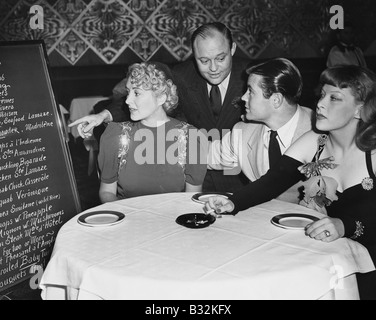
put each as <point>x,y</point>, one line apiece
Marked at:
<point>305,147</point>
<point>310,137</point>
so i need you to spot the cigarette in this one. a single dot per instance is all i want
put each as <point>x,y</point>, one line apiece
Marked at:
<point>209,211</point>
<point>213,211</point>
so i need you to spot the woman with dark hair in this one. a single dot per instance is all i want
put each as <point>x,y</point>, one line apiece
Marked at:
<point>153,153</point>
<point>340,158</point>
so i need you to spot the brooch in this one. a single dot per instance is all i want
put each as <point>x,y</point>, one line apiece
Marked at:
<point>367,184</point>
<point>359,230</point>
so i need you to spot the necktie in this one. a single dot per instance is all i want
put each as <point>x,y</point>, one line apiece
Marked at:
<point>215,101</point>
<point>274,149</point>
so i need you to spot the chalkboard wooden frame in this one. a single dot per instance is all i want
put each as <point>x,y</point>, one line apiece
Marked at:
<point>66,203</point>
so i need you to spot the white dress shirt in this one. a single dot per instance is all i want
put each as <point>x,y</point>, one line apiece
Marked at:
<point>284,138</point>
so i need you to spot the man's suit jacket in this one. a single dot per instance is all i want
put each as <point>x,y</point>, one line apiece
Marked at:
<point>244,147</point>
<point>194,101</point>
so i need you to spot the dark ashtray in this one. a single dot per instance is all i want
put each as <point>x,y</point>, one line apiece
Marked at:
<point>195,220</point>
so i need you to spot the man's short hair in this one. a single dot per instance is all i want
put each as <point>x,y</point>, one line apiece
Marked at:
<point>279,75</point>
<point>206,30</point>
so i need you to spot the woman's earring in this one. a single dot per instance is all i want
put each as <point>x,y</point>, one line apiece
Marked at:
<point>357,114</point>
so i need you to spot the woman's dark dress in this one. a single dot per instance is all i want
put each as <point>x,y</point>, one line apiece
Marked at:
<point>356,207</point>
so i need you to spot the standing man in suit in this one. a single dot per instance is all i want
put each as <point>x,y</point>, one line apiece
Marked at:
<point>213,66</point>
<point>275,121</point>
<point>210,92</point>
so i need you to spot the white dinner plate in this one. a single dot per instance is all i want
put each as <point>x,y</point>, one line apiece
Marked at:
<point>202,197</point>
<point>103,218</point>
<point>293,221</point>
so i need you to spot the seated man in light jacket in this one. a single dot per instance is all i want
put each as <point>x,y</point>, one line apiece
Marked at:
<point>273,121</point>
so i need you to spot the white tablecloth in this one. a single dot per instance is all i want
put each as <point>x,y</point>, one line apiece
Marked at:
<point>150,256</point>
<point>81,107</point>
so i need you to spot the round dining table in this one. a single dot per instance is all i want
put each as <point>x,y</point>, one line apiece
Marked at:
<point>147,255</point>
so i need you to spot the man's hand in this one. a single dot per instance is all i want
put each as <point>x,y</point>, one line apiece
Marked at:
<point>85,125</point>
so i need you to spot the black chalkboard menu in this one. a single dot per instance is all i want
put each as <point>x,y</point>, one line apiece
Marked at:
<point>38,192</point>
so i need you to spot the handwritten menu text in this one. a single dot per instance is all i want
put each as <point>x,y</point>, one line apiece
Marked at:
<point>30,210</point>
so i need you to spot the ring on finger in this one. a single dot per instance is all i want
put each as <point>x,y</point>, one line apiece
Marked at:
<point>327,233</point>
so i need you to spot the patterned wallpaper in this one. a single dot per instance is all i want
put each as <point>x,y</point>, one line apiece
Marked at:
<point>94,32</point>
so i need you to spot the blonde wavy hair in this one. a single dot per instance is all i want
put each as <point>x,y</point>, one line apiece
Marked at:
<point>158,78</point>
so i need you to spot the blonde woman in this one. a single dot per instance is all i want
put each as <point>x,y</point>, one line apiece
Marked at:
<point>153,153</point>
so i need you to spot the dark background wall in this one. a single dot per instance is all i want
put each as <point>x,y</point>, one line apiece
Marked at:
<point>90,42</point>
<point>96,32</point>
